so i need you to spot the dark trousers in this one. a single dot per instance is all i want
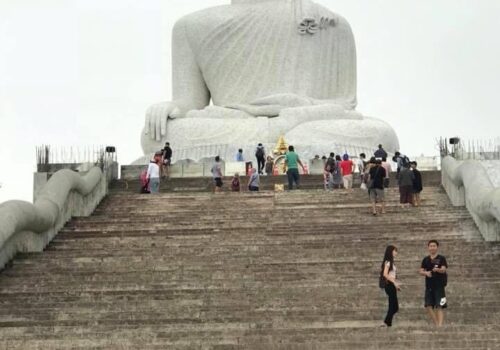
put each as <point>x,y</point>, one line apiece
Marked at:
<point>253,188</point>
<point>406,194</point>
<point>387,182</point>
<point>392,293</point>
<point>293,176</point>
<point>261,163</point>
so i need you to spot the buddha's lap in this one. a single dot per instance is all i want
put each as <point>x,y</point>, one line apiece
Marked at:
<point>193,132</point>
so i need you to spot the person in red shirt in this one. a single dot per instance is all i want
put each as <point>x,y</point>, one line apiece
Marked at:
<point>347,167</point>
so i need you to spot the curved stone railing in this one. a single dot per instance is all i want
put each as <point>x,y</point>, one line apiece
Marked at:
<point>468,184</point>
<point>26,227</point>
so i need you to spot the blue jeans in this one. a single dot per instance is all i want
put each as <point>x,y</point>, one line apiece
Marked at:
<point>293,176</point>
<point>154,185</point>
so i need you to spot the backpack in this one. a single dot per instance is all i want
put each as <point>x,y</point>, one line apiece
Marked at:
<point>235,184</point>
<point>330,165</point>
<point>382,282</point>
<point>405,161</point>
<point>143,177</point>
<point>260,152</point>
<point>336,168</point>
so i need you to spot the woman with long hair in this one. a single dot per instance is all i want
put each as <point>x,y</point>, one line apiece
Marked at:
<point>392,286</point>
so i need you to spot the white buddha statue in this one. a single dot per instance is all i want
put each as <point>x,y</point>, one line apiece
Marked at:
<point>270,68</point>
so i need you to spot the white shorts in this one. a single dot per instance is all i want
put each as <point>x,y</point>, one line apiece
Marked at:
<point>347,181</point>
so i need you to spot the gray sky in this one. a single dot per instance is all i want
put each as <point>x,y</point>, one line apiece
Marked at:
<point>82,72</point>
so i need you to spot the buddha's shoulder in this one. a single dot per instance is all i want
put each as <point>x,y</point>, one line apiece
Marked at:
<point>208,18</point>
<point>205,21</point>
<point>327,13</point>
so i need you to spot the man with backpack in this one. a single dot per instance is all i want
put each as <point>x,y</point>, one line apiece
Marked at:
<point>401,160</point>
<point>260,154</point>
<point>167,160</point>
<point>405,182</point>
<point>376,187</point>
<point>434,268</point>
<point>329,168</point>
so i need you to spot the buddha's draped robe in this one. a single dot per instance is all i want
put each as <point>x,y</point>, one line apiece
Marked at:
<point>249,51</point>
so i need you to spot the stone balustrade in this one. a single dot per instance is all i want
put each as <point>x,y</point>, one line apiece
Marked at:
<point>26,227</point>
<point>468,184</point>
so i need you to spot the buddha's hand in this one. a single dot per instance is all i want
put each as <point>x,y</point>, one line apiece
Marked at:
<point>156,119</point>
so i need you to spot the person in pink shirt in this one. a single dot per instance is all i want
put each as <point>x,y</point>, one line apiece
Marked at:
<point>387,166</point>
<point>347,167</point>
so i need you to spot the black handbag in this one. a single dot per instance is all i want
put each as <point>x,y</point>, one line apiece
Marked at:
<point>370,183</point>
<point>382,282</point>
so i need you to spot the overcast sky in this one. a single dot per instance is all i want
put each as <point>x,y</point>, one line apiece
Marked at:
<point>82,72</point>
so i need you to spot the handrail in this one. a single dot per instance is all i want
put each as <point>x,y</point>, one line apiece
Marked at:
<point>48,212</point>
<point>467,183</point>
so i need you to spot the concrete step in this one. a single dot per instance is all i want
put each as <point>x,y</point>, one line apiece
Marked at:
<point>294,270</point>
<point>204,184</point>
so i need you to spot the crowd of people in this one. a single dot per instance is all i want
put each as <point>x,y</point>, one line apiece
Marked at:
<point>339,172</point>
<point>291,162</point>
<point>374,176</point>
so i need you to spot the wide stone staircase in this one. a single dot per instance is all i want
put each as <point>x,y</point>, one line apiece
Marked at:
<point>292,270</point>
<point>267,183</point>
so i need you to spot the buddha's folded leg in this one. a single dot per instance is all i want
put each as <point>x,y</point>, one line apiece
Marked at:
<point>353,136</point>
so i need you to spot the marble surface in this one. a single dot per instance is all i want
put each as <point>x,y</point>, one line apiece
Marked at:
<point>468,183</point>
<point>252,71</point>
<point>493,170</point>
<point>27,227</point>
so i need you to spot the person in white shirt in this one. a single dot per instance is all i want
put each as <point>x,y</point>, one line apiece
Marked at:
<point>153,173</point>
<point>360,165</point>
<point>217,174</point>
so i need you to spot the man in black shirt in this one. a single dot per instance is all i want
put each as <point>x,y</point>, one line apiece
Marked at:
<point>376,186</point>
<point>380,152</point>
<point>434,267</point>
<point>260,154</point>
<point>167,159</point>
<point>330,167</point>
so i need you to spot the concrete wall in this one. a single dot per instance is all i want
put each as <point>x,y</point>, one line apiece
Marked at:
<point>26,227</point>
<point>468,183</point>
<point>186,169</point>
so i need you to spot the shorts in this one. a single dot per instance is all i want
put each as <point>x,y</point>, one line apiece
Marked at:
<point>218,182</point>
<point>436,298</point>
<point>347,181</point>
<point>167,161</point>
<point>376,194</point>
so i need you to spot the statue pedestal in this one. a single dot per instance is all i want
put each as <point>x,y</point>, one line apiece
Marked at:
<point>199,138</point>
